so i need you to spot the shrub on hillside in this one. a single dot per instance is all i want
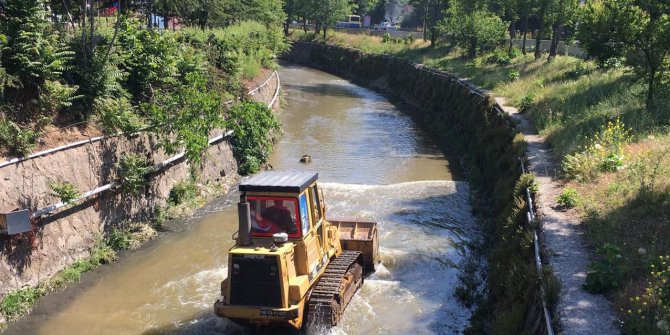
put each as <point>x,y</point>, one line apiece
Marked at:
<point>603,153</point>
<point>569,198</point>
<point>479,31</point>
<point>605,274</point>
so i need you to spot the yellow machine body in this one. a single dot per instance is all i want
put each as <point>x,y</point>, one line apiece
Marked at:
<point>270,276</point>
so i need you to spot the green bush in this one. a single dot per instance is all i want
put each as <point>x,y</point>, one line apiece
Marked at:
<point>102,254</point>
<point>133,172</point>
<point>253,124</point>
<point>119,239</point>
<point>478,31</point>
<point>604,153</point>
<point>118,115</point>
<point>55,96</point>
<point>500,56</point>
<point>580,167</point>
<point>20,302</point>
<point>66,192</point>
<point>579,70</point>
<point>569,198</point>
<point>17,140</point>
<point>514,75</point>
<point>526,102</point>
<point>514,52</point>
<point>606,274</point>
<point>182,192</point>
<point>386,38</point>
<point>526,181</point>
<point>251,70</point>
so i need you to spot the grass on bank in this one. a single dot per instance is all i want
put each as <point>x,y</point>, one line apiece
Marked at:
<point>20,302</point>
<point>624,198</point>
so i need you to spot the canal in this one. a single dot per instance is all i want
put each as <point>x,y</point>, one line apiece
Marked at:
<point>374,163</point>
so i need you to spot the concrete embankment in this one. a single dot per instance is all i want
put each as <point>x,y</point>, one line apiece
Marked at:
<point>67,234</point>
<point>470,123</point>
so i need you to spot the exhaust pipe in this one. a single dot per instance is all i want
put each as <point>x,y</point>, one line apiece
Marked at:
<point>244,237</point>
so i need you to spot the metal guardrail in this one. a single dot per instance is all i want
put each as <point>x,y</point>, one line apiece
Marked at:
<point>51,208</point>
<point>530,216</point>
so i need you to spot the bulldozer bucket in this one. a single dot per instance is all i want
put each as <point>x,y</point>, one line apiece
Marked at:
<point>360,236</point>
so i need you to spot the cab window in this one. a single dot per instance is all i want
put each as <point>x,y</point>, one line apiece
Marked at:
<point>271,215</point>
<point>316,205</point>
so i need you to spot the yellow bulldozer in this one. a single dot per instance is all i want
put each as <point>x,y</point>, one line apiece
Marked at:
<point>289,263</point>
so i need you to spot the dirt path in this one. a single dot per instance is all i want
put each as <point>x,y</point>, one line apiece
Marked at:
<point>579,312</point>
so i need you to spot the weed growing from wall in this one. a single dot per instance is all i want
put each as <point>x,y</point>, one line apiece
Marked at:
<point>66,192</point>
<point>132,173</point>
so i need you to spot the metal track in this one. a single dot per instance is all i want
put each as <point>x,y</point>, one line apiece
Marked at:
<point>325,305</point>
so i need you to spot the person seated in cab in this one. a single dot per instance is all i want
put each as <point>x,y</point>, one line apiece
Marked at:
<point>281,216</point>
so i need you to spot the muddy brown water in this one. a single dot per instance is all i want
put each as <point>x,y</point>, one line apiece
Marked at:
<point>374,164</point>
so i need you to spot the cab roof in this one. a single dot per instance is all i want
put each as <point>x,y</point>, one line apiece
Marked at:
<point>279,181</point>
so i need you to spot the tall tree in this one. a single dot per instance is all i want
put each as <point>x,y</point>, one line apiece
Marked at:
<point>510,11</point>
<point>328,12</point>
<point>541,16</point>
<point>362,7</point>
<point>563,13</point>
<point>476,30</point>
<point>431,11</point>
<point>636,29</point>
<point>290,10</point>
<point>525,9</point>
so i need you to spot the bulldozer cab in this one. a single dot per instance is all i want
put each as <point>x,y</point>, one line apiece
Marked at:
<point>288,203</point>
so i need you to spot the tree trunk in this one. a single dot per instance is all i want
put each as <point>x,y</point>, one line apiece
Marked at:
<point>324,32</point>
<point>304,25</point>
<point>512,34</point>
<point>540,31</point>
<point>83,28</point>
<point>433,23</point>
<point>652,68</point>
<point>123,6</point>
<point>472,50</point>
<point>92,41</point>
<point>204,15</point>
<point>650,89</point>
<point>557,29</point>
<point>555,38</point>
<point>286,25</point>
<point>425,24</point>
<point>525,33</point>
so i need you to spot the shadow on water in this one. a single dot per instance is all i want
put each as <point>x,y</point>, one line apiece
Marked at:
<point>326,89</point>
